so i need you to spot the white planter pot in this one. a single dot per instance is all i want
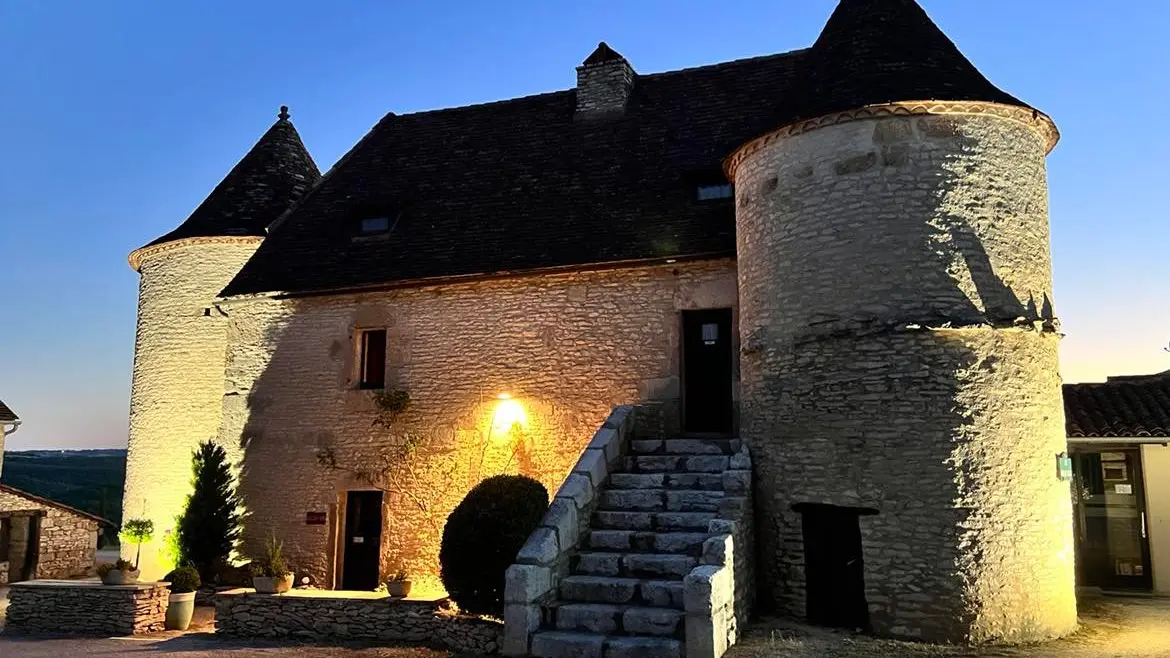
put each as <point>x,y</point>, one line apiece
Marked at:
<point>272,585</point>
<point>180,608</point>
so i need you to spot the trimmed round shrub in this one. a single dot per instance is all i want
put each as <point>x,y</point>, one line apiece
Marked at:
<point>183,580</point>
<point>483,536</point>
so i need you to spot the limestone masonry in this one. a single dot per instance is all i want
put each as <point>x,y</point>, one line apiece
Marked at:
<point>822,279</point>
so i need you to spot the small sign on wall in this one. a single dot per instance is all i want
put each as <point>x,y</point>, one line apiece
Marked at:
<point>1064,467</point>
<point>1126,489</point>
<point>314,518</point>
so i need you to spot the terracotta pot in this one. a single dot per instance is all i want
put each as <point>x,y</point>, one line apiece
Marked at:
<point>119,577</point>
<point>180,608</point>
<point>278,585</point>
<point>399,588</point>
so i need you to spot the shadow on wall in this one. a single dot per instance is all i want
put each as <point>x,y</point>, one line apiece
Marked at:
<point>306,434</point>
<point>912,404</point>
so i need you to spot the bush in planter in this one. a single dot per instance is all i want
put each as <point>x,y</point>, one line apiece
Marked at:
<point>138,532</point>
<point>183,580</point>
<point>209,527</point>
<point>270,572</point>
<point>483,535</point>
<point>181,606</point>
<point>118,573</point>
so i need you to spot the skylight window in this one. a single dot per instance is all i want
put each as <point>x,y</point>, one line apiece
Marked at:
<point>375,225</point>
<point>714,192</point>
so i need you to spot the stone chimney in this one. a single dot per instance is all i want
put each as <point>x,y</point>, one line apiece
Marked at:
<point>605,81</point>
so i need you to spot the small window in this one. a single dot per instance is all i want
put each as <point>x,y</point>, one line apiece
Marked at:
<point>375,225</point>
<point>715,192</point>
<point>372,359</point>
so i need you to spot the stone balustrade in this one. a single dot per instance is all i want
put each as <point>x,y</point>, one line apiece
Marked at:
<point>336,615</point>
<point>86,607</point>
<point>532,582</point>
<point>717,594</point>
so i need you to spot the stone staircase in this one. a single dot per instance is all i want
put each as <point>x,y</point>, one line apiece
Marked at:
<point>623,595</point>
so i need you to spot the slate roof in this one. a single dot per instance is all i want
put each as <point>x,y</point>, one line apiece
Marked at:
<point>7,415</point>
<point>526,184</point>
<point>51,503</point>
<point>1119,407</point>
<point>271,177</point>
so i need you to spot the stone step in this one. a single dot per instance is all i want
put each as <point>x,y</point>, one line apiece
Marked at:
<point>676,463</point>
<point>609,589</point>
<point>657,521</point>
<point>707,481</point>
<point>657,500</point>
<point>610,619</point>
<point>636,565</point>
<point>686,447</point>
<point>690,543</point>
<point>564,644</point>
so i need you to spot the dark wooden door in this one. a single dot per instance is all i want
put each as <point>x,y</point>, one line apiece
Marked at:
<point>707,371</point>
<point>363,540</point>
<point>834,570</point>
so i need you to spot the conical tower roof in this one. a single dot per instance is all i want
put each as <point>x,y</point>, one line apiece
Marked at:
<point>882,51</point>
<point>276,172</point>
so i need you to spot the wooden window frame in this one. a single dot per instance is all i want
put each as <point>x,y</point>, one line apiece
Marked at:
<point>371,371</point>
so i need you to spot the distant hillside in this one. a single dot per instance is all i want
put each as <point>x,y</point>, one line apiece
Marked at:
<point>90,480</point>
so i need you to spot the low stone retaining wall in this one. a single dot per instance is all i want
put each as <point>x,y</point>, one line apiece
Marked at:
<point>85,607</point>
<point>332,615</point>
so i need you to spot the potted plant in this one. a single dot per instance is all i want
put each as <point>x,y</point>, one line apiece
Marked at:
<point>137,532</point>
<point>398,585</point>
<point>119,573</point>
<point>184,581</point>
<point>270,574</point>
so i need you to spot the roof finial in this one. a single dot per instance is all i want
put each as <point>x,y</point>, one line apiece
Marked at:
<point>283,113</point>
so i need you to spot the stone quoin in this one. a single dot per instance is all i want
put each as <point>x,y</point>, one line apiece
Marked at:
<point>822,279</point>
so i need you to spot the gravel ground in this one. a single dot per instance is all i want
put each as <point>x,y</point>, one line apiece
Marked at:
<point>1110,628</point>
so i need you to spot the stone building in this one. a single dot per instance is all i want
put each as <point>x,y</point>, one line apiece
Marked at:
<point>40,538</point>
<point>838,254</point>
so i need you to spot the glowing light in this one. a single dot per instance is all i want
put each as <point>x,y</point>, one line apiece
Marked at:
<point>508,414</point>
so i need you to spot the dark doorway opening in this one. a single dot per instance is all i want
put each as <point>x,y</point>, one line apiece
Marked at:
<point>363,540</point>
<point>708,407</point>
<point>833,565</point>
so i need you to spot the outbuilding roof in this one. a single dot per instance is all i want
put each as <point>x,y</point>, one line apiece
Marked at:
<point>1127,407</point>
<point>532,184</point>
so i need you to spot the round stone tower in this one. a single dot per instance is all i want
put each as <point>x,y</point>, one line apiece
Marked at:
<point>179,348</point>
<point>900,386</point>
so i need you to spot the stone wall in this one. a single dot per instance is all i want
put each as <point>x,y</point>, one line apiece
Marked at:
<point>899,355</point>
<point>531,585</point>
<point>177,386</point>
<point>62,607</point>
<point>67,543</point>
<point>566,347</point>
<point>321,616</point>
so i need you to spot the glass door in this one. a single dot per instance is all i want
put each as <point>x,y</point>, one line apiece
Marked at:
<point>1112,546</point>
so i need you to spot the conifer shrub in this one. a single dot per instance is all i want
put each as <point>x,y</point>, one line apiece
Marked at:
<point>482,537</point>
<point>209,528</point>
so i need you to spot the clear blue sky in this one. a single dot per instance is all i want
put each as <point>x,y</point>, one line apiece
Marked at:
<point>117,118</point>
